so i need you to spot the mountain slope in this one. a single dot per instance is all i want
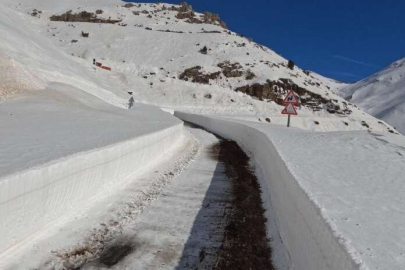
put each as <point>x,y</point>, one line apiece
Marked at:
<point>173,57</point>
<point>382,94</point>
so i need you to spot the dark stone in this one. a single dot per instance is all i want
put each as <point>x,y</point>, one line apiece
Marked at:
<point>204,50</point>
<point>291,64</point>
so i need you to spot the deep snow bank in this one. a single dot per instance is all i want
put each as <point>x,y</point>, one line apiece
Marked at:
<point>60,148</point>
<point>306,235</point>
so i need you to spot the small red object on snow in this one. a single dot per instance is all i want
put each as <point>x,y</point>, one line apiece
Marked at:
<point>289,109</point>
<point>291,98</point>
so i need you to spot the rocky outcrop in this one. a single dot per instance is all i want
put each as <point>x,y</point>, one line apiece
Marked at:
<point>83,16</point>
<point>276,90</point>
<point>196,75</point>
<point>204,50</point>
<point>291,65</point>
<point>185,11</point>
<point>229,70</point>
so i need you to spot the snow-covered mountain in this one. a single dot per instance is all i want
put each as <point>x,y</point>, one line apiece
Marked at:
<point>382,94</point>
<point>164,55</point>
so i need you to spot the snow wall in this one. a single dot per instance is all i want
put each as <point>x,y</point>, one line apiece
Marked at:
<point>32,199</point>
<point>308,238</point>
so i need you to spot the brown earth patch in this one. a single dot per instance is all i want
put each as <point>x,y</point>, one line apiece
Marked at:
<point>245,244</point>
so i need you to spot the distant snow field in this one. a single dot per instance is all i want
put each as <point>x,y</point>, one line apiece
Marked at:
<point>382,94</point>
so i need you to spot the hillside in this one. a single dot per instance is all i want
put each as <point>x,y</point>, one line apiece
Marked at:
<point>164,55</point>
<point>95,174</point>
<point>382,94</point>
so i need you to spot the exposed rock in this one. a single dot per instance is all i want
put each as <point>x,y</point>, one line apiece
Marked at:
<point>185,11</point>
<point>83,16</point>
<point>250,75</point>
<point>99,11</point>
<point>275,91</point>
<point>261,91</point>
<point>169,31</point>
<point>332,108</point>
<point>213,18</point>
<point>128,5</point>
<point>185,15</point>
<point>231,70</point>
<point>196,75</point>
<point>184,7</point>
<point>210,32</point>
<point>291,64</point>
<point>204,50</point>
<point>36,13</point>
<point>364,124</point>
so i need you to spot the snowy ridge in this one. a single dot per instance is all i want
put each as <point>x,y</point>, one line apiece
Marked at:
<point>382,94</point>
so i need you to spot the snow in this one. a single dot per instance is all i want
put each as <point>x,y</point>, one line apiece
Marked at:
<point>67,135</point>
<point>382,94</point>
<point>342,208</point>
<point>171,233</point>
<point>158,197</point>
<point>62,121</point>
<point>61,146</point>
<point>148,62</point>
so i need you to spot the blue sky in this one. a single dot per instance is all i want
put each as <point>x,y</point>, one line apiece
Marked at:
<point>343,39</point>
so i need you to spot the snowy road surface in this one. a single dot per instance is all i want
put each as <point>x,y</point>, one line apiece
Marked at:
<point>338,196</point>
<point>179,218</point>
<point>189,211</point>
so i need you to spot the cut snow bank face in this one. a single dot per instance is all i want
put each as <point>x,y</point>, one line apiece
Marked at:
<point>61,147</point>
<point>382,94</point>
<point>336,196</point>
